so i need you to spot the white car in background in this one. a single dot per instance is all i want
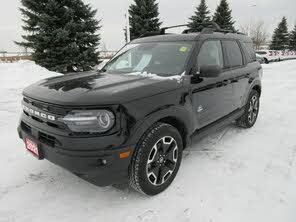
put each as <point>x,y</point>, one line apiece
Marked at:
<point>270,55</point>
<point>260,58</point>
<point>287,54</point>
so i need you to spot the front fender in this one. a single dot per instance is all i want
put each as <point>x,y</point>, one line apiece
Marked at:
<point>180,113</point>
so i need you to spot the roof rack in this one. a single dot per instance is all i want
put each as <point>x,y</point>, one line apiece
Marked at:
<point>205,28</point>
<point>208,28</point>
<point>162,31</point>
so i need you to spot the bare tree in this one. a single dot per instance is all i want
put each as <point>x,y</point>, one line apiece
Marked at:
<point>257,32</point>
<point>245,29</point>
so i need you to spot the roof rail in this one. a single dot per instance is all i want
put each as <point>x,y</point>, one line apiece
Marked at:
<point>208,28</point>
<point>205,28</point>
<point>162,31</point>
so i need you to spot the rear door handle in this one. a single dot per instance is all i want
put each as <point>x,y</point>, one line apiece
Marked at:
<point>226,82</point>
<point>234,80</point>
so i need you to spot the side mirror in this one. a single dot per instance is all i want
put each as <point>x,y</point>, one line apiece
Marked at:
<point>210,71</point>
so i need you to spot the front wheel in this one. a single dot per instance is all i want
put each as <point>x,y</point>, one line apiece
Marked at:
<point>156,160</point>
<point>249,117</point>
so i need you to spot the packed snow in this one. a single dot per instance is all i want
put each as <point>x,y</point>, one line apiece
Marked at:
<point>234,175</point>
<point>157,77</point>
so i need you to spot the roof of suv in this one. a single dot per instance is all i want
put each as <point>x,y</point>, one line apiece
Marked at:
<point>192,37</point>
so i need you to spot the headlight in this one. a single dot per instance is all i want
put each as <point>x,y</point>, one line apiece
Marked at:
<point>93,121</point>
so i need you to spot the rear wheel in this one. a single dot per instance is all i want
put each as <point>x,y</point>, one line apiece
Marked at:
<point>156,160</point>
<point>248,119</point>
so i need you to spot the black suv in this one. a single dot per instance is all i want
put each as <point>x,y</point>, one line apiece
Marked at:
<point>131,121</point>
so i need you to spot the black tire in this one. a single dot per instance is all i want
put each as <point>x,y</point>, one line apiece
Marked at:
<point>248,119</point>
<point>266,61</point>
<point>151,148</point>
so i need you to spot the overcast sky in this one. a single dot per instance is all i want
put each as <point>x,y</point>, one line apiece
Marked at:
<point>171,12</point>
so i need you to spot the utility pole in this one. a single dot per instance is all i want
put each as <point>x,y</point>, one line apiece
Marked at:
<point>250,21</point>
<point>128,33</point>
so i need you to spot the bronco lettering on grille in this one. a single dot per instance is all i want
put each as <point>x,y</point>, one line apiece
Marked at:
<point>39,114</point>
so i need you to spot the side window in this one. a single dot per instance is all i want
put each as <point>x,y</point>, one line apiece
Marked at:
<point>210,54</point>
<point>233,53</point>
<point>251,56</point>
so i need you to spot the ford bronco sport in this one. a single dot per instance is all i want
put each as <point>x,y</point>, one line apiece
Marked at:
<point>131,121</point>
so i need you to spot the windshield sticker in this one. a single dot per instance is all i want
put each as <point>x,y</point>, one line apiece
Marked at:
<point>183,49</point>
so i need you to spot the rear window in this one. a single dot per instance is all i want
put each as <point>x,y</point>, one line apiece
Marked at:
<point>233,53</point>
<point>251,55</point>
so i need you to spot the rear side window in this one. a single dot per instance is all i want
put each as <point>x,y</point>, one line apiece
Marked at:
<point>251,55</point>
<point>210,54</point>
<point>233,53</point>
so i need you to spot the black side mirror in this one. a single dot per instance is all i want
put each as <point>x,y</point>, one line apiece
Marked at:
<point>210,71</point>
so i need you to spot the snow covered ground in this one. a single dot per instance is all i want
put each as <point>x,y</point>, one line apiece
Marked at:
<point>234,175</point>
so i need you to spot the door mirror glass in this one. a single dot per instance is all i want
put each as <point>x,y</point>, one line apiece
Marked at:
<point>210,71</point>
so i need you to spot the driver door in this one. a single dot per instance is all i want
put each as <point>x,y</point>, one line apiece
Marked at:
<point>212,98</point>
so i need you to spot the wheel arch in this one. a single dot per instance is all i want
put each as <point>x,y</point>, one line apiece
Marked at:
<point>257,87</point>
<point>179,125</point>
<point>178,117</point>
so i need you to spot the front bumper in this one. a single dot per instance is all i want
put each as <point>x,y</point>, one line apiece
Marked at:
<point>101,166</point>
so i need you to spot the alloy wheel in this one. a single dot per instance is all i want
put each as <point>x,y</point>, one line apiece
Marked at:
<point>162,160</point>
<point>253,110</point>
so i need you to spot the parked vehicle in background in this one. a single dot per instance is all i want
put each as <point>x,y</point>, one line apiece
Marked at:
<point>259,58</point>
<point>269,55</point>
<point>287,54</point>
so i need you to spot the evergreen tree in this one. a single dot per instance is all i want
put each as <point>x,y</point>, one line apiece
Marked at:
<point>280,37</point>
<point>292,42</point>
<point>144,17</point>
<point>223,16</point>
<point>62,34</point>
<point>201,15</point>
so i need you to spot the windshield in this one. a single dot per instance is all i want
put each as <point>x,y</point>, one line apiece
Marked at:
<point>162,58</point>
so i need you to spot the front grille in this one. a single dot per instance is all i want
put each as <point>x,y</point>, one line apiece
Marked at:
<point>26,128</point>
<point>37,119</point>
<point>47,139</point>
<point>42,137</point>
<point>48,109</point>
<point>53,109</point>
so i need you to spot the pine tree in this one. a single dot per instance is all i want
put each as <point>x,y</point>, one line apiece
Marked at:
<point>223,16</point>
<point>292,40</point>
<point>144,17</point>
<point>280,37</point>
<point>62,34</point>
<point>201,15</point>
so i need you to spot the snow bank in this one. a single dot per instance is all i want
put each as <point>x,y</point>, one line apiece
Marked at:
<point>21,73</point>
<point>232,175</point>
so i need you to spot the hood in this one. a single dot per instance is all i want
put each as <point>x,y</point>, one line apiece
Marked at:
<point>92,88</point>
